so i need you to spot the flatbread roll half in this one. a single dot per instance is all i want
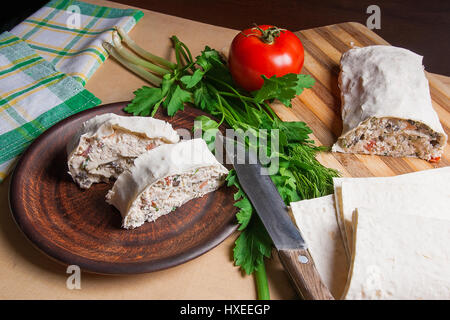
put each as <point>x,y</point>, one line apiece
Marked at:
<point>163,179</point>
<point>107,144</point>
<point>386,105</point>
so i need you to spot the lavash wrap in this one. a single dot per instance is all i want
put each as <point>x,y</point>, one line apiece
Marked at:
<point>384,81</point>
<point>105,125</point>
<point>156,164</point>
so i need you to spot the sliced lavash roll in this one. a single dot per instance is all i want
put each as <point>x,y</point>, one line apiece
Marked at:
<point>163,179</point>
<point>107,144</point>
<point>386,105</point>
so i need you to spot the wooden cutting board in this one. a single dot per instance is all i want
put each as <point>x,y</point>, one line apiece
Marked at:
<point>319,107</point>
<point>27,273</point>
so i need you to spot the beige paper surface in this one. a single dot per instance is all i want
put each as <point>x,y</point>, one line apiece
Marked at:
<point>27,273</point>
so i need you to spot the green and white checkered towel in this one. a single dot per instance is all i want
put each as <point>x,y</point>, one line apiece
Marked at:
<point>44,63</point>
<point>69,34</point>
<point>33,97</point>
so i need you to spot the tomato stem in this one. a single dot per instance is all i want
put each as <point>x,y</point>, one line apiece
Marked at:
<point>269,35</point>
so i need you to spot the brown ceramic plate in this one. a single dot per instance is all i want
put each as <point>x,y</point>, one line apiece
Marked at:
<point>78,227</point>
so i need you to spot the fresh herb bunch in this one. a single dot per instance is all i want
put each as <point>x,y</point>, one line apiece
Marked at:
<point>206,83</point>
<point>300,176</point>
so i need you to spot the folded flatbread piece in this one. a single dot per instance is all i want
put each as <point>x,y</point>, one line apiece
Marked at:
<point>316,218</point>
<point>163,179</point>
<point>386,105</point>
<point>427,192</point>
<point>400,236</point>
<point>107,144</point>
<point>399,256</point>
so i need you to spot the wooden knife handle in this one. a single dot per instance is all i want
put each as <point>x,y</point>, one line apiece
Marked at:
<point>300,266</point>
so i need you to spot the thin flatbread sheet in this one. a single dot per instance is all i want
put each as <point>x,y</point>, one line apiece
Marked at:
<point>399,256</point>
<point>316,219</point>
<point>428,190</point>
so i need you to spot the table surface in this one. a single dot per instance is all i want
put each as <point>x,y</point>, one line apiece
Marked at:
<point>28,274</point>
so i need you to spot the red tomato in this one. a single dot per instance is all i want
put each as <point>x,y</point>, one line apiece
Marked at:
<point>369,146</point>
<point>271,52</point>
<point>434,159</point>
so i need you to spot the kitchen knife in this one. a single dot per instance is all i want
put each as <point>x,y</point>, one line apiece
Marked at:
<point>270,207</point>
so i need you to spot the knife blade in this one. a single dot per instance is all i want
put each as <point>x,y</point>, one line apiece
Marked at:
<point>265,198</point>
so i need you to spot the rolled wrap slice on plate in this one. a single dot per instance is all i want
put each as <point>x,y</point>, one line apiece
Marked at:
<point>163,179</point>
<point>386,105</point>
<point>107,144</point>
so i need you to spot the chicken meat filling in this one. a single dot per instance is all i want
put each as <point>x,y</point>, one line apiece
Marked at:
<point>167,194</point>
<point>396,138</point>
<point>101,158</point>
